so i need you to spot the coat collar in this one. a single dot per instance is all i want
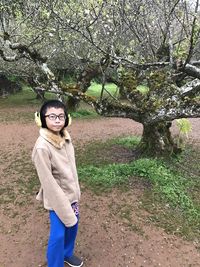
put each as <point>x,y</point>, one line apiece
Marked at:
<point>56,140</point>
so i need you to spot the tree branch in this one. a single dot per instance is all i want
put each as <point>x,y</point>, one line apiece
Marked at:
<point>192,41</point>
<point>111,109</point>
<point>190,88</point>
<point>10,58</point>
<point>192,71</point>
<point>189,111</point>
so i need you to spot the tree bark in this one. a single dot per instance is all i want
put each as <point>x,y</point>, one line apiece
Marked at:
<point>72,103</point>
<point>157,140</point>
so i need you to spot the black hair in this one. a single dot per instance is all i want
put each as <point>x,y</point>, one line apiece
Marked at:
<point>52,104</point>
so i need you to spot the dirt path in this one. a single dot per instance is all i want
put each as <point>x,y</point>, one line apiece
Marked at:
<point>105,237</point>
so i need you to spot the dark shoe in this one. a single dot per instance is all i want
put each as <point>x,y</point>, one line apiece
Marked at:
<point>74,261</point>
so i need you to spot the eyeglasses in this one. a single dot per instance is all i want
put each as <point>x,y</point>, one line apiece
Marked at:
<point>53,117</point>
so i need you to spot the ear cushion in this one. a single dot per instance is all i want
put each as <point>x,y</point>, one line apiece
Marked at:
<point>37,119</point>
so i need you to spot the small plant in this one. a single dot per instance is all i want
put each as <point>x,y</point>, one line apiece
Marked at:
<point>129,141</point>
<point>184,127</point>
<point>143,89</point>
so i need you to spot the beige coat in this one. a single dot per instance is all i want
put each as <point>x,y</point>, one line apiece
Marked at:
<point>53,157</point>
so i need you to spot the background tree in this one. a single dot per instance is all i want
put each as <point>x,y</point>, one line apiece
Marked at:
<point>30,45</point>
<point>35,46</point>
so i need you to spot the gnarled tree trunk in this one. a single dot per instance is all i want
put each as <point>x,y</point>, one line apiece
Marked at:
<point>157,140</point>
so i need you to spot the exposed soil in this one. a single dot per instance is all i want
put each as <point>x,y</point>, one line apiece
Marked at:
<point>106,238</point>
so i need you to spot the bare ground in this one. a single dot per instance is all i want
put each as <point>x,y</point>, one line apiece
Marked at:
<point>106,238</point>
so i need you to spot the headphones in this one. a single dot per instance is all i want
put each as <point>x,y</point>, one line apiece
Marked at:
<point>39,123</point>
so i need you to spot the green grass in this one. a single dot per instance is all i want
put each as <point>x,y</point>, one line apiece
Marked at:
<point>143,89</point>
<point>173,197</point>
<point>171,186</point>
<point>84,113</point>
<point>129,141</point>
<point>95,90</point>
<point>26,97</point>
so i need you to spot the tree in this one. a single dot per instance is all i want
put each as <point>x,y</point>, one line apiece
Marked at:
<point>31,37</point>
<point>153,44</point>
<point>30,45</point>
<point>23,33</point>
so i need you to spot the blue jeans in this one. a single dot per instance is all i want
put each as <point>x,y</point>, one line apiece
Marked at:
<point>61,241</point>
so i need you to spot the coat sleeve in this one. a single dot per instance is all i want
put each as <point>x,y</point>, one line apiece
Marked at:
<point>53,192</point>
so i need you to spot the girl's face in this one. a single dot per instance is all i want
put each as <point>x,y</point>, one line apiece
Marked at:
<point>55,119</point>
